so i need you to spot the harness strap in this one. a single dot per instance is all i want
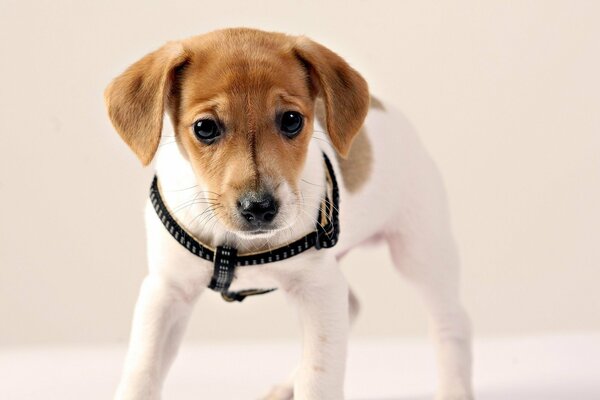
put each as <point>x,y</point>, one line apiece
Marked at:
<point>226,258</point>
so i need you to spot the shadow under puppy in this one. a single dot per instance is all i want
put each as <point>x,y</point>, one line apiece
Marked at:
<point>249,200</point>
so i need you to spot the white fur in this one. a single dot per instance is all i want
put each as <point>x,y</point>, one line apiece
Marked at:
<point>403,204</point>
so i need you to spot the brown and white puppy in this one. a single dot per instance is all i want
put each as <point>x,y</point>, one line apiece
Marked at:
<point>252,112</point>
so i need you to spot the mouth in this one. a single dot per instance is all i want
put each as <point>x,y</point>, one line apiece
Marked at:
<point>261,231</point>
<point>257,233</point>
<point>258,228</point>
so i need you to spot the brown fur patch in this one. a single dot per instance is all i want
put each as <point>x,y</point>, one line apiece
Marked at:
<point>377,104</point>
<point>356,168</point>
<point>243,79</point>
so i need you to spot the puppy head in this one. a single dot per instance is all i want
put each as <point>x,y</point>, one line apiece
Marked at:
<point>242,104</point>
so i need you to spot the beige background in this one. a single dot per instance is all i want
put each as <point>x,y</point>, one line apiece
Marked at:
<point>504,94</point>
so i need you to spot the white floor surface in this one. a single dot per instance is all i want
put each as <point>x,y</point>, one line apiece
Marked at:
<point>565,367</point>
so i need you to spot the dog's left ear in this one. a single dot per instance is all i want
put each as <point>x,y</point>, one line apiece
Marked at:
<point>136,99</point>
<point>344,91</point>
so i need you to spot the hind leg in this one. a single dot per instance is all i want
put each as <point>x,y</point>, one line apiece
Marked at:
<point>431,265</point>
<point>285,390</point>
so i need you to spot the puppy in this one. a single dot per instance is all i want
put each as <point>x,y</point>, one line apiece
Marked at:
<point>279,163</point>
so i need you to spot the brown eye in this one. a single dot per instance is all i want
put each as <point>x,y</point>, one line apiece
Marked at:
<point>291,123</point>
<point>206,130</point>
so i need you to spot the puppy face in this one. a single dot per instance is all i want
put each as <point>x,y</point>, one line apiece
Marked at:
<point>245,124</point>
<point>242,104</point>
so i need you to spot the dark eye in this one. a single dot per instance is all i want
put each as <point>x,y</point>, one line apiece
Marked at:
<point>206,130</point>
<point>291,123</point>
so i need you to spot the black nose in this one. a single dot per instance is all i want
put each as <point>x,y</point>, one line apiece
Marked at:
<point>257,209</point>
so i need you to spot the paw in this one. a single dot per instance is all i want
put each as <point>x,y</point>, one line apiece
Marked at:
<point>280,392</point>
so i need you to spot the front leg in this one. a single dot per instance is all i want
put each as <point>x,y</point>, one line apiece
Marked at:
<point>322,297</point>
<point>161,314</point>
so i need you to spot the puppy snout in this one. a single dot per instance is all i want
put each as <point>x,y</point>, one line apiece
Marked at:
<point>258,209</point>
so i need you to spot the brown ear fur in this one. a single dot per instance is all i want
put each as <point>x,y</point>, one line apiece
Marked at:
<point>344,91</point>
<point>136,99</point>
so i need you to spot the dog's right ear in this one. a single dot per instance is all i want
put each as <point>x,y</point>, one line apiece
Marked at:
<point>136,99</point>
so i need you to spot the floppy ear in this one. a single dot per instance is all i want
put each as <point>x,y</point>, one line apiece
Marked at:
<point>344,91</point>
<point>136,99</point>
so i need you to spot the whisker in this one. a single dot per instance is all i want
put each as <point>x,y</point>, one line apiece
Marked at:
<point>191,187</point>
<point>214,223</point>
<point>310,183</point>
<point>211,216</point>
<point>194,200</point>
<point>209,210</point>
<point>313,219</point>
<point>189,203</point>
<point>322,199</point>
<point>181,190</point>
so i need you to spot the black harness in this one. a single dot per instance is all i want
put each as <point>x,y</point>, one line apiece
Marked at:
<point>226,258</point>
